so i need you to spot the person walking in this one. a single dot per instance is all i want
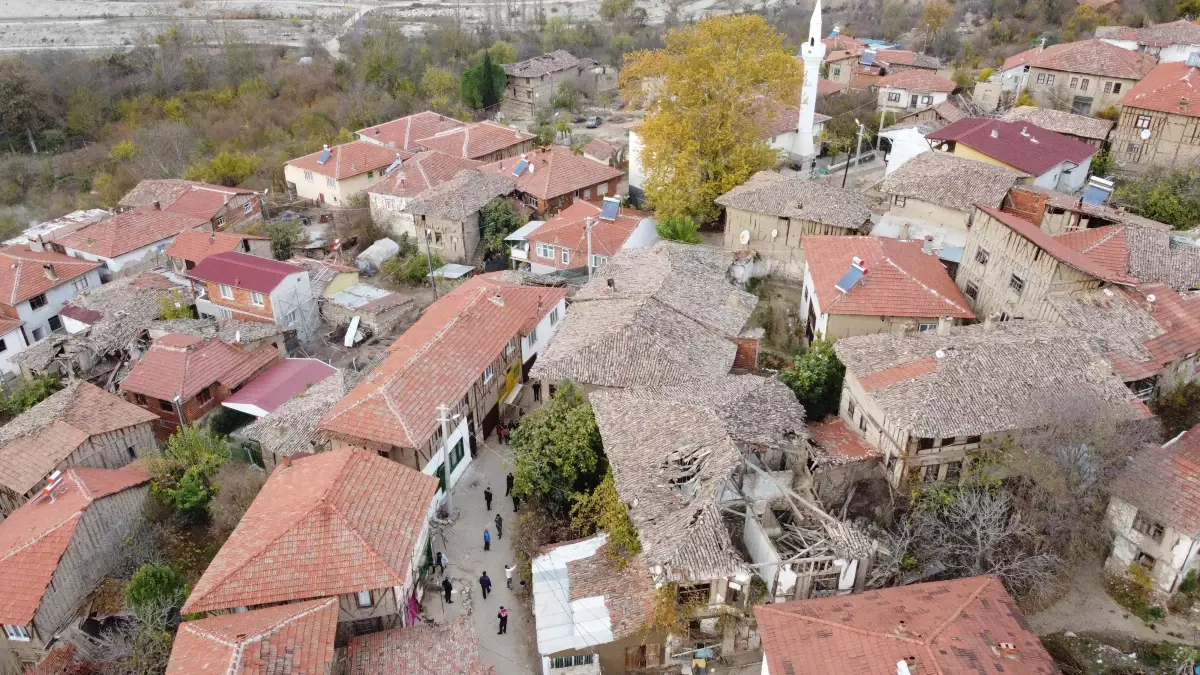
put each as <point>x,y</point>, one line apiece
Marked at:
<point>502,433</point>
<point>516,503</point>
<point>487,540</point>
<point>499,527</point>
<point>485,582</point>
<point>439,563</point>
<point>447,588</point>
<point>487,497</point>
<point>508,572</point>
<point>508,484</point>
<point>503,616</point>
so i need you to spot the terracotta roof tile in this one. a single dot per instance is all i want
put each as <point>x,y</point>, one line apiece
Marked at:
<point>199,203</point>
<point>129,231</point>
<point>827,87</point>
<point>35,536</point>
<point>196,245</point>
<point>599,149</point>
<point>333,523</point>
<point>350,159</point>
<point>23,276</point>
<point>569,228</point>
<point>835,442</point>
<point>904,57</point>
<point>1093,251</point>
<point>293,638</point>
<point>460,197</point>
<point>1171,88</point>
<point>37,441</point>
<point>404,132</point>
<point>543,64</point>
<point>556,172</point>
<point>179,364</point>
<point>416,650</point>
<point>477,140</point>
<point>438,359</point>
<point>166,190</point>
<point>901,279</point>
<point>1095,57</point>
<point>242,270</point>
<point>1020,58</point>
<point>917,81</point>
<point>424,171</point>
<point>939,627</point>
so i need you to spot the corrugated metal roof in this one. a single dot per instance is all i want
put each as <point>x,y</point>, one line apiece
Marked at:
<point>560,623</point>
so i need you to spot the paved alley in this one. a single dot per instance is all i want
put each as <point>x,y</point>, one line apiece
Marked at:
<point>516,652</point>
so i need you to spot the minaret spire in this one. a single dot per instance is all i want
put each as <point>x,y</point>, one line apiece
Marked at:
<point>814,25</point>
<point>812,52</point>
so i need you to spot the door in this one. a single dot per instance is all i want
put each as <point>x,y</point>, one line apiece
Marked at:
<point>913,101</point>
<point>1082,105</point>
<point>321,197</point>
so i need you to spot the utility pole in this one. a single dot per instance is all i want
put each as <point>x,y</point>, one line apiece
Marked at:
<point>882,114</point>
<point>429,257</point>
<point>857,152</point>
<point>266,211</point>
<point>444,418</point>
<point>589,223</point>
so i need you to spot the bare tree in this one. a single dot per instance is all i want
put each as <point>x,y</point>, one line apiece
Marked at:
<point>140,645</point>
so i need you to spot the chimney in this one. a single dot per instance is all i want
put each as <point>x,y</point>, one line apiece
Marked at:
<point>48,269</point>
<point>376,131</point>
<point>212,237</point>
<point>1024,131</point>
<point>927,246</point>
<point>989,323</point>
<point>944,325</point>
<point>995,134</point>
<point>36,244</point>
<point>157,205</point>
<point>612,285</point>
<point>286,461</point>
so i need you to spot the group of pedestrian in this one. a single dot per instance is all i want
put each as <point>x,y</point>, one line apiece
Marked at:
<point>503,433</point>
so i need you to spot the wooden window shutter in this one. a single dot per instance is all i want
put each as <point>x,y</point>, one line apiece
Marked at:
<point>633,657</point>
<point>654,655</point>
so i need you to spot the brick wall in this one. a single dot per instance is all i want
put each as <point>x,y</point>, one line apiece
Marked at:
<point>1025,204</point>
<point>746,357</point>
<point>168,420</point>
<point>240,303</point>
<point>234,211</point>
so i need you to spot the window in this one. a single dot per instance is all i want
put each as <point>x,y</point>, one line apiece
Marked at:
<point>1116,87</point>
<point>553,316</point>
<point>80,283</point>
<point>488,373</point>
<point>974,439</point>
<point>1049,79</point>
<point>17,633</point>
<point>219,220</point>
<point>587,193</point>
<point>926,443</point>
<point>139,399</point>
<point>226,291</point>
<point>862,423</point>
<point>308,176</point>
<point>1108,87</point>
<point>576,660</point>
<point>1016,283</point>
<point>926,327</point>
<point>247,207</point>
<point>601,189</point>
<point>1148,527</point>
<point>203,396</point>
<point>971,291</point>
<point>256,298</point>
<point>545,251</point>
<point>533,336</point>
<point>166,406</point>
<point>566,255</point>
<point>37,301</point>
<point>457,453</point>
<point>893,96</point>
<point>329,182</point>
<point>1083,85</point>
<point>693,593</point>
<point>55,324</point>
<point>370,175</point>
<point>898,200</point>
<point>981,256</point>
<point>891,464</point>
<point>1041,78</point>
<point>3,345</point>
<point>1145,560</point>
<point>953,470</point>
<point>1074,82</point>
<point>364,599</point>
<point>850,408</point>
<point>837,72</point>
<point>1142,122</point>
<point>926,100</point>
<point>1134,148</point>
<point>290,317</point>
<point>598,260</point>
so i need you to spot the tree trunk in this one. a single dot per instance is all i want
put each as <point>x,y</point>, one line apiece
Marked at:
<point>32,145</point>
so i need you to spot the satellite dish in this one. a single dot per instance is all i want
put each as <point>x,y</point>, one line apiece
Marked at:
<point>1145,134</point>
<point>774,233</point>
<point>744,237</point>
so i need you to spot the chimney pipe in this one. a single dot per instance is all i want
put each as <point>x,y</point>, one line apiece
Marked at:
<point>212,237</point>
<point>286,461</point>
<point>36,244</point>
<point>48,269</point>
<point>989,323</point>
<point>157,205</point>
<point>944,324</point>
<point>927,246</point>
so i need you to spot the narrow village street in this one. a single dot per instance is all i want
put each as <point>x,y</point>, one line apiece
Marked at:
<point>514,653</point>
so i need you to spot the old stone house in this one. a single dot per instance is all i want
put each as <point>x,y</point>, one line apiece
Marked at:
<point>182,378</point>
<point>1160,119</point>
<point>533,82</point>
<point>1084,77</point>
<point>1153,512</point>
<point>769,214</point>
<point>842,53</point>
<point>911,90</point>
<point>446,216</point>
<point>345,524</point>
<point>389,197</point>
<point>553,178</point>
<point>56,548</point>
<point>929,401</point>
<point>485,141</point>
<point>467,352</point>
<point>81,425</point>
<point>223,207</point>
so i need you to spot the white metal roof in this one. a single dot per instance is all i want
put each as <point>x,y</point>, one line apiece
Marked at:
<point>522,233</point>
<point>452,271</point>
<point>358,295</point>
<point>562,624</point>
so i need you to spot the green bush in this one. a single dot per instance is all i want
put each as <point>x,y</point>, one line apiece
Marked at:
<point>678,228</point>
<point>154,586</point>
<point>29,393</point>
<point>816,379</point>
<point>184,468</point>
<point>410,270</point>
<point>1189,583</point>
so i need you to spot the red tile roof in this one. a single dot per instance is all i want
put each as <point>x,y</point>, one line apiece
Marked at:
<point>1020,59</point>
<point>780,118</point>
<point>1165,481</point>
<point>403,133</point>
<point>166,191</point>
<point>8,325</point>
<point>350,159</point>
<point>37,441</point>
<point>23,276</point>
<point>599,149</point>
<point>292,638</point>
<point>200,203</point>
<point>336,522</point>
<point>196,245</point>
<point>35,536</point>
<point>916,81</point>
<point>827,87</point>
<point>836,440</point>
<point>1022,145</point>
<point>556,172</point>
<point>423,171</point>
<point>474,141</point>
<point>179,364</point>
<point>1104,246</point>
<point>416,650</point>
<point>901,280</point>
<point>1093,260</point>
<point>1171,88</point>
<point>242,270</point>
<point>904,57</point>
<point>60,661</point>
<point>845,43</point>
<point>569,228</point>
<point>129,231</point>
<point>1095,57</point>
<point>438,359</point>
<point>1178,319</point>
<point>905,371</point>
<point>941,627</point>
<point>280,383</point>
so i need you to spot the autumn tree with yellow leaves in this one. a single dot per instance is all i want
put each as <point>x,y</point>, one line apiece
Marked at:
<point>714,89</point>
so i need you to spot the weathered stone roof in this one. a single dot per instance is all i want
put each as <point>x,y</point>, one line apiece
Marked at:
<point>291,427</point>
<point>459,197</point>
<point>1061,121</point>
<point>770,192</point>
<point>543,64</point>
<point>956,183</point>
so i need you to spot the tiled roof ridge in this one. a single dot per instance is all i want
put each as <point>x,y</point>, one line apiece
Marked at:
<point>17,282</point>
<point>240,647</point>
<point>78,513</point>
<point>1116,229</point>
<point>887,259</point>
<point>959,610</point>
